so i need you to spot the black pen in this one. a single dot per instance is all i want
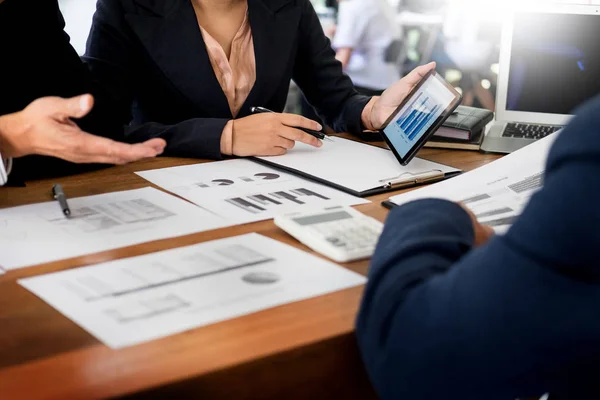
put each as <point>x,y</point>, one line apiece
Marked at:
<point>59,195</point>
<point>317,134</point>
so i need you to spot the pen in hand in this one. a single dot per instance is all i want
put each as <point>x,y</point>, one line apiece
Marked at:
<point>317,134</point>
<point>59,195</point>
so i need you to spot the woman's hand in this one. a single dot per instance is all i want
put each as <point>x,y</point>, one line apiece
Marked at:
<point>45,128</point>
<point>271,134</point>
<point>385,105</point>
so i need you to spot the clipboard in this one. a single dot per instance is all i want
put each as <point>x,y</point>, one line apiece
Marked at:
<point>395,176</point>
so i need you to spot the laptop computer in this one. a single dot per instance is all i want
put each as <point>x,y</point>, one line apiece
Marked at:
<point>549,65</point>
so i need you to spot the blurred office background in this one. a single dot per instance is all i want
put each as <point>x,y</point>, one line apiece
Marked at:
<point>462,36</point>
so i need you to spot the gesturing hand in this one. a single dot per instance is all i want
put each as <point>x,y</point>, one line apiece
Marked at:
<point>45,128</point>
<point>385,105</point>
<point>271,134</point>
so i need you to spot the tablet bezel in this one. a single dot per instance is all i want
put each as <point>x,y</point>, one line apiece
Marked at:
<point>434,127</point>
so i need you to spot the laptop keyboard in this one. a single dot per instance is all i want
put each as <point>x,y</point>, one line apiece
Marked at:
<point>529,131</point>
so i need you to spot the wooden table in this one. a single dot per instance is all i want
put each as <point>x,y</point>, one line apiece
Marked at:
<point>297,351</point>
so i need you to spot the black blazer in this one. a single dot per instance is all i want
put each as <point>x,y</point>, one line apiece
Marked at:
<point>151,56</point>
<point>37,60</point>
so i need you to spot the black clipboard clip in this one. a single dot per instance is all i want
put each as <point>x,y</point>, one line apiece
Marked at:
<point>408,179</point>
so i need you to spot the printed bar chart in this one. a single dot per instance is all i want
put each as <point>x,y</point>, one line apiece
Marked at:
<point>258,203</point>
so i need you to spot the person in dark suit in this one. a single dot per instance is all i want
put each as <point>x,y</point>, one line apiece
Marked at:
<point>34,119</point>
<point>189,71</point>
<point>452,312</point>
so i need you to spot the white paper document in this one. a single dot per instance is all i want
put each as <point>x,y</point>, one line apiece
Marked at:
<point>496,192</point>
<point>243,191</point>
<point>40,233</point>
<point>356,166</point>
<point>130,301</point>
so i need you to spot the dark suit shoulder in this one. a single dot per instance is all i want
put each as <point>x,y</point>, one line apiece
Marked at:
<point>142,7</point>
<point>276,5</point>
<point>164,7</point>
<point>580,140</point>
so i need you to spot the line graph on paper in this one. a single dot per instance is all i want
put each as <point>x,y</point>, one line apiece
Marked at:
<point>142,277</point>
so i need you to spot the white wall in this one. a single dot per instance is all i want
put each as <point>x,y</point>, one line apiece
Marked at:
<point>78,16</point>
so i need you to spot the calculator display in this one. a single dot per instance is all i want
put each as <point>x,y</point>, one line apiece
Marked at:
<point>321,218</point>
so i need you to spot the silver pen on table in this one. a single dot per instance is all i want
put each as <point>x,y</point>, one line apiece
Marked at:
<point>59,195</point>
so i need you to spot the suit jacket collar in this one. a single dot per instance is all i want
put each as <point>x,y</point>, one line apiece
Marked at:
<point>170,33</point>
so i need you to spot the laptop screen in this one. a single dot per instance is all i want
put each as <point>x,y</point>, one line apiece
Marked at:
<point>555,62</point>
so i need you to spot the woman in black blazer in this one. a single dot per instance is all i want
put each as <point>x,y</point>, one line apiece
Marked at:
<point>151,56</point>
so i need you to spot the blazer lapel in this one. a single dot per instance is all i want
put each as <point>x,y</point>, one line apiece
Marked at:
<point>274,31</point>
<point>171,35</point>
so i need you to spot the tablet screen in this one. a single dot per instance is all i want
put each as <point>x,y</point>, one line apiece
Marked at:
<point>422,110</point>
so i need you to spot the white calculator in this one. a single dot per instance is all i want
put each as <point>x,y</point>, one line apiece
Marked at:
<point>340,233</point>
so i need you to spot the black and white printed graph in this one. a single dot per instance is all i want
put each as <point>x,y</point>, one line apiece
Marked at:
<point>258,203</point>
<point>498,192</point>
<point>242,191</point>
<point>134,300</point>
<point>261,176</point>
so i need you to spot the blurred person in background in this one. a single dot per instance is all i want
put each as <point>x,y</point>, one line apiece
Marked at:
<point>471,35</point>
<point>367,43</point>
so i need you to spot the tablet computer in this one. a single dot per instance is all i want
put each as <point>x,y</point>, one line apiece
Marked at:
<point>417,118</point>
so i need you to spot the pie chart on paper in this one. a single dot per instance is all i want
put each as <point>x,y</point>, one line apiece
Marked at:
<point>267,176</point>
<point>223,182</point>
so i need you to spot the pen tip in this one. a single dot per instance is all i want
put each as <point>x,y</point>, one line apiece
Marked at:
<point>328,139</point>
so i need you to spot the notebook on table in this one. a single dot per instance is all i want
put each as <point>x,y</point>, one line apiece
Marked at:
<point>472,143</point>
<point>464,123</point>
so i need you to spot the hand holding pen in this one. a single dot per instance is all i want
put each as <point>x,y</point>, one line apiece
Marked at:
<point>317,134</point>
<point>268,134</point>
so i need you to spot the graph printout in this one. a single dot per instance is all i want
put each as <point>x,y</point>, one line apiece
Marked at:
<point>498,192</point>
<point>40,233</point>
<point>243,191</point>
<point>134,300</point>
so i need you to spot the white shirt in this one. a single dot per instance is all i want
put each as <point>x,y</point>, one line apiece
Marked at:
<point>368,27</point>
<point>5,167</point>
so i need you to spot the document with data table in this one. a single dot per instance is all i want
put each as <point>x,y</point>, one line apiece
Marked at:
<point>134,300</point>
<point>243,191</point>
<point>498,192</point>
<point>40,233</point>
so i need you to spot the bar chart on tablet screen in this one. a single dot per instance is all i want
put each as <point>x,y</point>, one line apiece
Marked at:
<point>419,114</point>
<point>420,117</point>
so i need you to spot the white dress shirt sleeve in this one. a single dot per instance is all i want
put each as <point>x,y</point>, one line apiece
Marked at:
<point>5,168</point>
